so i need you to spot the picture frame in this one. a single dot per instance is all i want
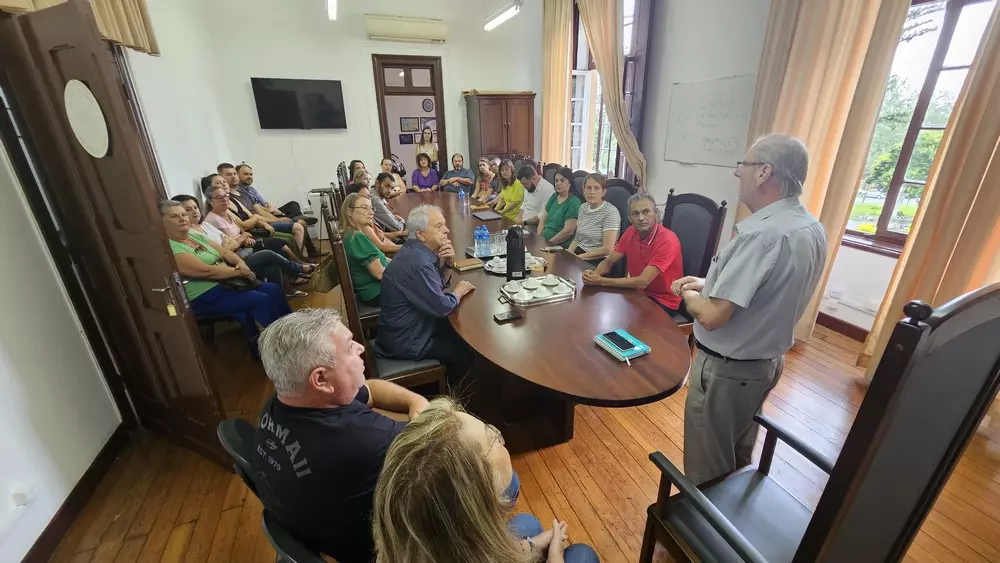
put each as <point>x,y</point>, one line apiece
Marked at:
<point>428,122</point>
<point>409,125</point>
<point>406,139</point>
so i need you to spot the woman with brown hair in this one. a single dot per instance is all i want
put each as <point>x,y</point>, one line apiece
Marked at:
<point>365,260</point>
<point>440,498</point>
<point>424,178</point>
<point>597,223</point>
<point>508,203</point>
<point>485,182</point>
<point>428,146</point>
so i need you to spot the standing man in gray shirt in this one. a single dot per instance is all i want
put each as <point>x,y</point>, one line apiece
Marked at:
<point>745,310</point>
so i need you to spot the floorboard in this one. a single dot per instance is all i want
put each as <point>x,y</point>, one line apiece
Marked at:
<point>160,502</point>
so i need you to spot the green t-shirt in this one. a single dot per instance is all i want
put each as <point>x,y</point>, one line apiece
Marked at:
<point>512,194</point>
<point>556,215</point>
<point>360,252</point>
<point>195,287</point>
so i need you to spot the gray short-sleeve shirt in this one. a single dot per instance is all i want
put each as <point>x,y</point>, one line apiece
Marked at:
<point>769,270</point>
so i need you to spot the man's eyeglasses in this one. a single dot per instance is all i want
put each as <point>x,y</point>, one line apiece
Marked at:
<point>221,197</point>
<point>740,164</point>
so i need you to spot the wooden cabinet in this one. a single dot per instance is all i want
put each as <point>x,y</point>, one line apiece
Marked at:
<point>500,125</point>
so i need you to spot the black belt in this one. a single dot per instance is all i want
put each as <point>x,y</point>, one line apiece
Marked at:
<point>715,354</point>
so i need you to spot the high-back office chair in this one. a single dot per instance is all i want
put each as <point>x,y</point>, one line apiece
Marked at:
<point>407,373</point>
<point>697,222</point>
<point>288,548</point>
<point>549,172</point>
<point>237,437</point>
<point>618,196</point>
<point>628,186</point>
<point>895,462</point>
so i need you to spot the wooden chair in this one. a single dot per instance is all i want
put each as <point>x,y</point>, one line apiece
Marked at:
<point>629,186</point>
<point>549,172</point>
<point>697,221</point>
<point>367,313</point>
<point>408,373</point>
<point>342,174</point>
<point>896,459</point>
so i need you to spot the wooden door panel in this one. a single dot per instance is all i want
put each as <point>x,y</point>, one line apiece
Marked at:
<point>164,375</point>
<point>521,126</point>
<point>492,123</point>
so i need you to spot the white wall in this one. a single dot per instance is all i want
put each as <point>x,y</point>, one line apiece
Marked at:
<point>57,410</point>
<point>296,40</point>
<point>178,95</point>
<point>858,283</point>
<point>691,41</point>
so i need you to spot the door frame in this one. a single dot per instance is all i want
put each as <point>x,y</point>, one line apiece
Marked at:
<point>379,63</point>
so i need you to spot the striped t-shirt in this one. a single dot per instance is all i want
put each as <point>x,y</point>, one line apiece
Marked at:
<point>591,224</point>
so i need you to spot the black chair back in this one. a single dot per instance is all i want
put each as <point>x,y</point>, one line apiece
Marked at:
<point>697,222</point>
<point>618,196</point>
<point>237,437</point>
<point>342,175</point>
<point>289,549</point>
<point>549,172</point>
<point>629,186</point>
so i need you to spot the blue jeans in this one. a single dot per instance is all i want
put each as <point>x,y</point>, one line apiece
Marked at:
<point>527,526</point>
<point>283,227</point>
<point>514,489</point>
<point>262,306</point>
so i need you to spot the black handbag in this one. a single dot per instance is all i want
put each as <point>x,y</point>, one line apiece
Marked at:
<point>240,284</point>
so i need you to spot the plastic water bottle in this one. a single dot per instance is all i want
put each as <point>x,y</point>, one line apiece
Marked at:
<point>462,199</point>
<point>478,237</point>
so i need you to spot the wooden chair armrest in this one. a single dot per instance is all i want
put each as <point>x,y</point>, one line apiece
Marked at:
<point>807,451</point>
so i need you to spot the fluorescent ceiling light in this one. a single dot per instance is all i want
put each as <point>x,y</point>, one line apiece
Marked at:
<point>331,9</point>
<point>503,15</point>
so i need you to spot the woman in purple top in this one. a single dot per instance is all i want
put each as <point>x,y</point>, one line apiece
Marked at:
<point>425,178</point>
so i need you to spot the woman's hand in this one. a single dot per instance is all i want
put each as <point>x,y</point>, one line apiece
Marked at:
<point>556,544</point>
<point>244,270</point>
<point>266,226</point>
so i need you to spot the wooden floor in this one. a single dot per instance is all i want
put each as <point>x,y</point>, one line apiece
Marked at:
<point>163,503</point>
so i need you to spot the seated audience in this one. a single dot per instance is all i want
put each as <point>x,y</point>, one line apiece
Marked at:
<point>221,216</point>
<point>438,498</point>
<point>557,222</point>
<point>424,178</point>
<point>361,179</point>
<point>485,182</point>
<point>428,146</point>
<point>537,191</point>
<point>292,209</point>
<point>266,264</point>
<point>280,224</point>
<point>598,222</point>
<point>652,255</point>
<point>364,259</point>
<point>205,264</point>
<point>386,218</point>
<point>399,183</point>
<point>508,203</point>
<point>458,176</point>
<point>320,444</point>
<point>370,228</point>
<point>353,167</point>
<point>413,323</point>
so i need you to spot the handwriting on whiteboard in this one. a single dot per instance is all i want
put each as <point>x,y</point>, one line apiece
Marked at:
<point>708,121</point>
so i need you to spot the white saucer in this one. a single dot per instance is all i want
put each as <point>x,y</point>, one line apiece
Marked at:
<point>543,292</point>
<point>562,289</point>
<point>550,280</point>
<point>530,284</point>
<point>523,296</point>
<point>512,287</point>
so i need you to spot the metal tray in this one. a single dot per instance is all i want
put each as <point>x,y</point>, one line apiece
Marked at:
<point>507,297</point>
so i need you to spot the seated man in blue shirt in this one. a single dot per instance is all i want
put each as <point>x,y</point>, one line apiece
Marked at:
<point>291,210</point>
<point>458,177</point>
<point>413,323</point>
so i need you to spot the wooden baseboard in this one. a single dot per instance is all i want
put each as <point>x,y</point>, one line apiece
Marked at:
<point>843,327</point>
<point>48,541</point>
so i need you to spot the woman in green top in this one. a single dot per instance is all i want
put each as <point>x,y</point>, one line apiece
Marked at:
<point>557,222</point>
<point>508,203</point>
<point>365,261</point>
<point>202,263</point>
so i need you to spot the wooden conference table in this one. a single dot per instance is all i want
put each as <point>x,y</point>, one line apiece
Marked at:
<point>531,372</point>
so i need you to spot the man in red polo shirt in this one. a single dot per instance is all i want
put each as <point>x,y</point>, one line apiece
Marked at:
<point>653,255</point>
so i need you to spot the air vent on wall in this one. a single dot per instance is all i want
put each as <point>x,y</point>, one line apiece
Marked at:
<point>411,30</point>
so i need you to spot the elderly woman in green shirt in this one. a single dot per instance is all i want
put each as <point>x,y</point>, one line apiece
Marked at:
<point>557,222</point>
<point>364,260</point>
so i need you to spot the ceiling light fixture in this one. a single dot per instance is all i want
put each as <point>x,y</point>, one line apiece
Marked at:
<point>331,9</point>
<point>505,13</point>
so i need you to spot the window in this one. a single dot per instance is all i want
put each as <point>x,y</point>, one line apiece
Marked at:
<point>581,109</point>
<point>936,48</point>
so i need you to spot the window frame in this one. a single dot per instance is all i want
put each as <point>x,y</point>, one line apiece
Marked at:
<point>884,241</point>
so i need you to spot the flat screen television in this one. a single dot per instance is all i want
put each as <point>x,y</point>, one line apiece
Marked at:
<point>284,103</point>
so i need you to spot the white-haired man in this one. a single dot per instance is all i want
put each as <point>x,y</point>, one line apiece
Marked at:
<point>745,310</point>
<point>413,323</point>
<point>320,446</point>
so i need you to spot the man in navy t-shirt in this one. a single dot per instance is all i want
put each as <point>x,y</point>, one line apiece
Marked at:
<point>320,445</point>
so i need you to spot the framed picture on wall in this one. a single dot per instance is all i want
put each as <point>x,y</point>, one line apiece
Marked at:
<point>406,139</point>
<point>429,122</point>
<point>409,124</point>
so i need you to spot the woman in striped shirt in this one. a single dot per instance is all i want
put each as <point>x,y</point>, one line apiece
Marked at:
<point>598,222</point>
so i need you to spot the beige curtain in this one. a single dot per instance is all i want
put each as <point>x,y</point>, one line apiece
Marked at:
<point>954,244</point>
<point>837,59</point>
<point>23,6</point>
<point>126,22</point>
<point>557,52</point>
<point>602,23</point>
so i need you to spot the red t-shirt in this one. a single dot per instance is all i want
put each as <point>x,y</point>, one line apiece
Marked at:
<point>662,250</point>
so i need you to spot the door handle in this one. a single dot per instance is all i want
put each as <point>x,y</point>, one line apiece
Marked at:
<point>161,290</point>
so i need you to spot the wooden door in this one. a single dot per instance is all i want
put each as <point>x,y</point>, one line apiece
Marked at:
<point>521,126</point>
<point>109,202</point>
<point>493,125</point>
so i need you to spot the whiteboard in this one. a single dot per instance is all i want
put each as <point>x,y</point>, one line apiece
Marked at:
<point>708,121</point>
